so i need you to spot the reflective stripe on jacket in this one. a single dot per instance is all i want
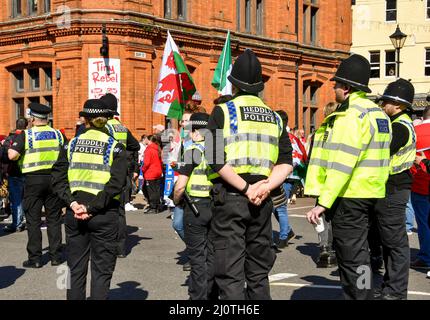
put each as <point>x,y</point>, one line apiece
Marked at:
<point>90,158</point>
<point>42,147</point>
<point>117,130</point>
<point>198,184</point>
<point>405,156</point>
<point>251,135</point>
<point>351,153</point>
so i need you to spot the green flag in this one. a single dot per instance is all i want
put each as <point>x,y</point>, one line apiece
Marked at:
<point>223,69</point>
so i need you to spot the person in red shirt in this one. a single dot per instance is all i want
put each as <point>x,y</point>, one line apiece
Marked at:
<point>152,173</point>
<point>420,194</point>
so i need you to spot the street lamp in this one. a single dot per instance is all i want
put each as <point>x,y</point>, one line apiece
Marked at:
<point>104,49</point>
<point>398,39</point>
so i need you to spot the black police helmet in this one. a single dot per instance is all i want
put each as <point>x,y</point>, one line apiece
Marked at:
<point>111,102</point>
<point>401,91</point>
<point>246,73</point>
<point>355,72</point>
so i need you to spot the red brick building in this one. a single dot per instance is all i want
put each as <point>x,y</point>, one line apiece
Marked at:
<point>45,47</point>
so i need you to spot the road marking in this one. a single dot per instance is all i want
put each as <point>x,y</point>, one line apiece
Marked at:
<point>301,285</point>
<point>297,216</point>
<point>419,293</point>
<point>281,276</point>
<point>320,286</point>
<point>307,207</point>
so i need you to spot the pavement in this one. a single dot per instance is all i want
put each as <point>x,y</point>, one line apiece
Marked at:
<point>152,269</point>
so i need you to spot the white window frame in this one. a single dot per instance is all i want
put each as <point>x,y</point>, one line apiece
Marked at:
<point>386,9</point>
<point>426,62</point>
<point>385,64</point>
<point>427,8</point>
<point>372,65</point>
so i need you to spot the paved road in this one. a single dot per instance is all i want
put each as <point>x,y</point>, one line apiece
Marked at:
<point>153,269</point>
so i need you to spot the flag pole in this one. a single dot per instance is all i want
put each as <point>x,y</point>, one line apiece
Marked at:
<point>224,47</point>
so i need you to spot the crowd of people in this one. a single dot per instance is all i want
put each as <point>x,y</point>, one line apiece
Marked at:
<point>366,166</point>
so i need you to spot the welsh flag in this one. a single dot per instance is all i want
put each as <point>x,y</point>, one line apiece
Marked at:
<point>299,159</point>
<point>223,69</point>
<point>175,85</point>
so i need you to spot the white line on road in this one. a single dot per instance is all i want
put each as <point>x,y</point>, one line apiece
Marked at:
<point>301,285</point>
<point>320,286</point>
<point>297,216</point>
<point>419,293</point>
<point>281,276</point>
<point>307,207</point>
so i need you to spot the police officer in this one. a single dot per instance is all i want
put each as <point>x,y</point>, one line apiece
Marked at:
<point>122,134</point>
<point>390,211</point>
<point>37,149</point>
<point>255,158</point>
<point>348,170</point>
<point>193,178</point>
<point>89,176</point>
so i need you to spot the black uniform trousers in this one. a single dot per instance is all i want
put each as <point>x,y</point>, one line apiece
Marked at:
<point>196,231</point>
<point>350,226</point>
<point>96,239</point>
<point>391,232</point>
<point>241,236</point>
<point>122,222</point>
<point>154,193</point>
<point>38,193</point>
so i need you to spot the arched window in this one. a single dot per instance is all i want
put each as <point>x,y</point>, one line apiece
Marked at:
<point>310,104</point>
<point>167,8</point>
<point>175,9</point>
<point>34,7</point>
<point>30,83</point>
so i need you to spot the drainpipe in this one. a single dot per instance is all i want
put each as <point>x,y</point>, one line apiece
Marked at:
<point>296,118</point>
<point>296,121</point>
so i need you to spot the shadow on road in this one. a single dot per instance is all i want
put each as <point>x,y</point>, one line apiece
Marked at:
<point>315,293</point>
<point>128,290</point>
<point>182,257</point>
<point>310,249</point>
<point>8,275</point>
<point>414,253</point>
<point>133,239</point>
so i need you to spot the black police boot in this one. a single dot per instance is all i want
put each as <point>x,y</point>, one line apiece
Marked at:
<point>327,258</point>
<point>32,264</point>
<point>282,244</point>
<point>388,296</point>
<point>186,266</point>
<point>56,261</point>
<point>377,294</point>
<point>376,263</point>
<point>150,210</point>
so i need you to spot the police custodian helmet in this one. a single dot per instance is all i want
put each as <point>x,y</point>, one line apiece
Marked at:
<point>111,102</point>
<point>355,72</point>
<point>246,73</point>
<point>401,91</point>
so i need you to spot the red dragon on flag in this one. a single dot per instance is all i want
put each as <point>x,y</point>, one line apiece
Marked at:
<point>175,85</point>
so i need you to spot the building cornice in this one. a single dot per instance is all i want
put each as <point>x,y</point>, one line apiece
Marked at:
<point>140,25</point>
